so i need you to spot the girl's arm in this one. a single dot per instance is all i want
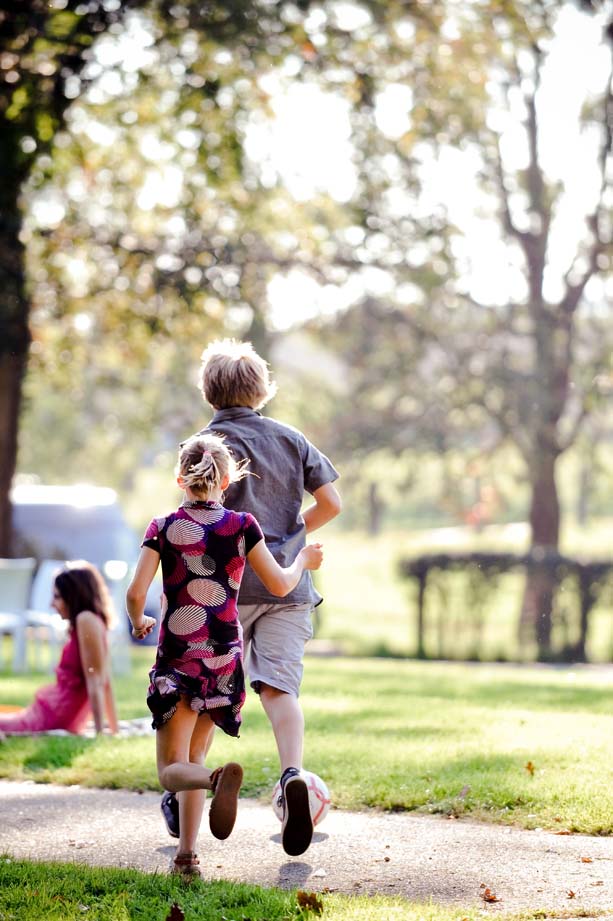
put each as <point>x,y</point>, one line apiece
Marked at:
<point>327,506</point>
<point>277,579</point>
<point>91,636</point>
<point>136,594</point>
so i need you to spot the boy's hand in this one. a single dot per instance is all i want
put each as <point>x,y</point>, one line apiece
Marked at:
<point>143,629</point>
<point>312,556</point>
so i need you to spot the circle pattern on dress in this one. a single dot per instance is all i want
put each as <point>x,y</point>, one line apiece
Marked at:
<point>187,619</point>
<point>206,515</point>
<point>206,592</point>
<point>202,564</point>
<point>231,525</point>
<point>234,570</point>
<point>183,532</point>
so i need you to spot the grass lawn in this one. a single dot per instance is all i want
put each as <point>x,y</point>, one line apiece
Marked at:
<point>369,610</point>
<point>43,892</point>
<point>511,744</point>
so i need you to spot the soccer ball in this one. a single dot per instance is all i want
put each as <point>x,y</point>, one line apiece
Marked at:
<point>319,797</point>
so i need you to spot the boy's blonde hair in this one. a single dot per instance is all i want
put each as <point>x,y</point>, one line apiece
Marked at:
<point>233,374</point>
<point>204,462</point>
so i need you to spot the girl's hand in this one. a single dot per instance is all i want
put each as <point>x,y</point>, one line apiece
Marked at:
<point>144,629</point>
<point>312,556</point>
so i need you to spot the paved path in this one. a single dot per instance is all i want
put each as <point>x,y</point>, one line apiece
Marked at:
<point>421,858</point>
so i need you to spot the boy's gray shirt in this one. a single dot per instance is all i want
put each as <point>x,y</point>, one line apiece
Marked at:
<point>283,464</point>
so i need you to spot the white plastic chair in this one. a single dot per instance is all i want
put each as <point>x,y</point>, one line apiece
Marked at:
<point>41,620</point>
<point>117,574</point>
<point>15,583</point>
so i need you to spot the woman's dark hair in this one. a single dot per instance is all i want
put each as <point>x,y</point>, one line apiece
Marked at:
<point>82,588</point>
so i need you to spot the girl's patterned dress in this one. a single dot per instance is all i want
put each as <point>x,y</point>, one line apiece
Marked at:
<point>203,548</point>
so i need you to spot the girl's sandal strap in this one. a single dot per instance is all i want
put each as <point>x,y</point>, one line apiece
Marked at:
<point>186,865</point>
<point>186,860</point>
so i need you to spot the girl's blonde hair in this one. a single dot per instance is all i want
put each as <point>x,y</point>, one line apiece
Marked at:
<point>233,374</point>
<point>204,462</point>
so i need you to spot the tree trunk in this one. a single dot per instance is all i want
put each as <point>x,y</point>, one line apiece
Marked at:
<point>539,592</point>
<point>375,510</point>
<point>14,344</point>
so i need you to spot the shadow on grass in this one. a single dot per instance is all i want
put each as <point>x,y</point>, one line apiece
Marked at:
<point>41,753</point>
<point>53,752</point>
<point>549,688</point>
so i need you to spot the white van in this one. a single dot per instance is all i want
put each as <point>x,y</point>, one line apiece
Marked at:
<point>79,523</point>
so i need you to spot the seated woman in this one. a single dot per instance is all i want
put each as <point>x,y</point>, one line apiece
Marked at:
<point>83,685</point>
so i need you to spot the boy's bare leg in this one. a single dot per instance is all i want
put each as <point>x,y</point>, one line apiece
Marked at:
<point>287,721</point>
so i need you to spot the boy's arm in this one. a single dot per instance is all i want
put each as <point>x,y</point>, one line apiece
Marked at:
<point>326,507</point>
<point>280,580</point>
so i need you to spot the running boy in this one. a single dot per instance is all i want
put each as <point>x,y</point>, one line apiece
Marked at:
<point>197,681</point>
<point>235,382</point>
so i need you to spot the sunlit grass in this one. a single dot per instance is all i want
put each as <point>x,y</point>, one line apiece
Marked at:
<point>369,610</point>
<point>45,891</point>
<point>513,744</point>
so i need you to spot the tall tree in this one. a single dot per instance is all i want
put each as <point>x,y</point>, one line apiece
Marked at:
<point>44,47</point>
<point>433,358</point>
<point>47,58</point>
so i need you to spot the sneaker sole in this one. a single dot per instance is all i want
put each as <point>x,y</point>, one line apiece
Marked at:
<point>224,805</point>
<point>297,830</point>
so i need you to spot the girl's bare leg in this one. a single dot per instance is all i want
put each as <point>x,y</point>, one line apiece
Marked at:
<point>185,732</point>
<point>173,741</point>
<point>191,802</point>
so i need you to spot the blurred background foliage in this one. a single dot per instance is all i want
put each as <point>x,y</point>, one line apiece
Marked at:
<point>145,212</point>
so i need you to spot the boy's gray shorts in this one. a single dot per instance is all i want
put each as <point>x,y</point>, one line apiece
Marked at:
<point>275,636</point>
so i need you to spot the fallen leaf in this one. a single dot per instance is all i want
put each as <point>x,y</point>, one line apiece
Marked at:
<point>309,52</point>
<point>308,901</point>
<point>563,831</point>
<point>488,896</point>
<point>570,894</point>
<point>530,768</point>
<point>587,860</point>
<point>176,914</point>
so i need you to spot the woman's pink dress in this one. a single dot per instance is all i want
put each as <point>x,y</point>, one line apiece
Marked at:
<point>63,705</point>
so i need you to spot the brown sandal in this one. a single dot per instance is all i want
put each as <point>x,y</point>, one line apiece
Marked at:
<point>225,784</point>
<point>186,865</point>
